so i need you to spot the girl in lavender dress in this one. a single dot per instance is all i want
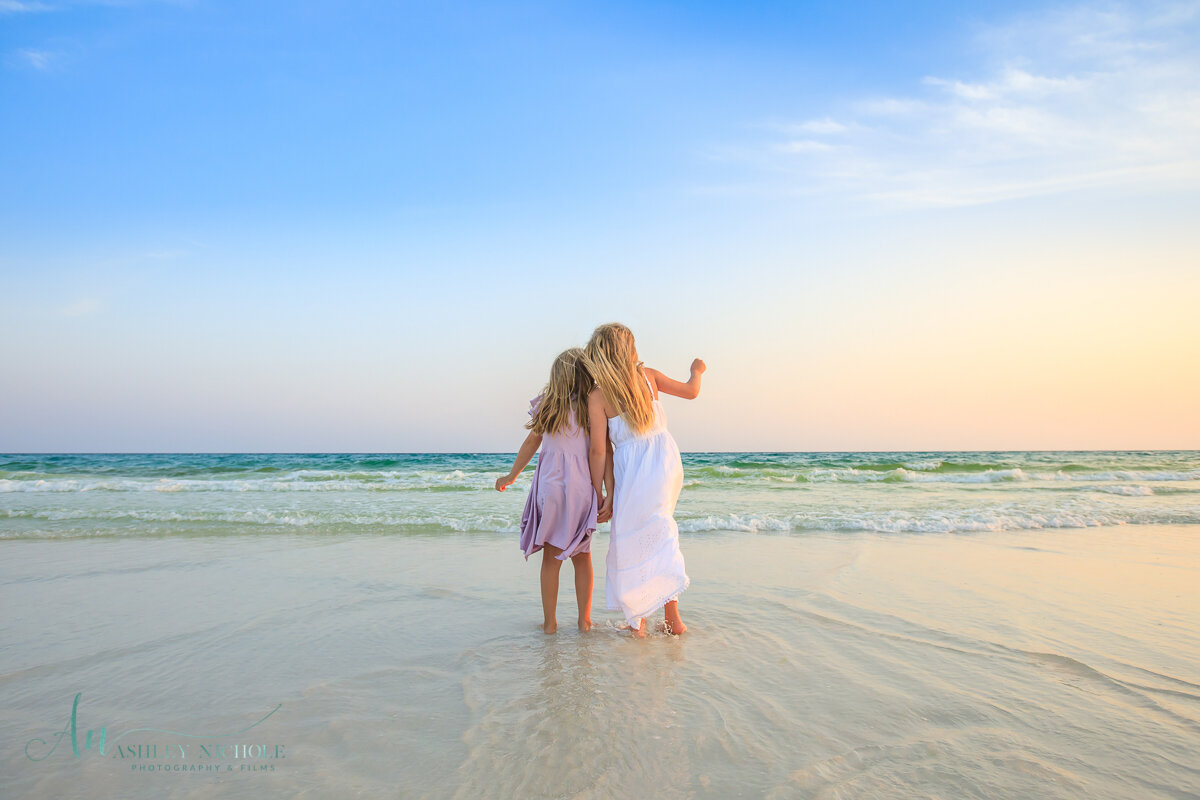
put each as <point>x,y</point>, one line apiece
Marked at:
<point>562,510</point>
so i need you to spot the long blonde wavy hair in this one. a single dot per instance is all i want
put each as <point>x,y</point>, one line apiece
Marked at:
<point>568,387</point>
<point>611,356</point>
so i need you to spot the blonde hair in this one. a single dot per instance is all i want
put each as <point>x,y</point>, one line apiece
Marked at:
<point>611,355</point>
<point>568,387</point>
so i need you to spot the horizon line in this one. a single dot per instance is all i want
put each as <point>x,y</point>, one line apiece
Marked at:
<point>511,452</point>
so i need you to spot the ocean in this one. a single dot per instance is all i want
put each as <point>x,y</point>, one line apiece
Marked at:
<point>900,625</point>
<point>62,496</point>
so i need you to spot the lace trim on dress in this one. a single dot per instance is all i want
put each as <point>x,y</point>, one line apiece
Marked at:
<point>660,603</point>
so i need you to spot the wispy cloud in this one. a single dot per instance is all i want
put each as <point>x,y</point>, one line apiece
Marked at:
<point>804,146</point>
<point>20,6</point>
<point>24,6</point>
<point>825,125</point>
<point>28,6</point>
<point>38,59</point>
<point>1083,98</point>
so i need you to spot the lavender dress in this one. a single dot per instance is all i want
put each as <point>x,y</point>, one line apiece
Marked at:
<point>561,509</point>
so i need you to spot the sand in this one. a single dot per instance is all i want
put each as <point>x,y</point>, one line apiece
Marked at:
<point>1024,664</point>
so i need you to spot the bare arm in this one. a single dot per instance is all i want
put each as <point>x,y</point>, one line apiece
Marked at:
<point>598,449</point>
<point>530,446</point>
<point>608,467</point>
<point>688,391</point>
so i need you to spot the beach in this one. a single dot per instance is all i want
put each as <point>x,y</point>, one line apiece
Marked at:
<point>406,658</point>
<point>288,291</point>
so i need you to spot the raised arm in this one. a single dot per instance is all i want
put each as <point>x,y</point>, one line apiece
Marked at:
<point>688,391</point>
<point>528,447</point>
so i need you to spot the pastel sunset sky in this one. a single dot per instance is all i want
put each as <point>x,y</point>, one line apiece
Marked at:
<point>369,226</point>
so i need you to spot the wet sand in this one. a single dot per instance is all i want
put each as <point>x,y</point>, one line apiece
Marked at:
<point>1020,664</point>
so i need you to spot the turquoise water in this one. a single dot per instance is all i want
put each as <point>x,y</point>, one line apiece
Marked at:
<point>72,495</point>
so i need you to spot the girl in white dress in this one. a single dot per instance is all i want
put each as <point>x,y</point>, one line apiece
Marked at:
<point>644,567</point>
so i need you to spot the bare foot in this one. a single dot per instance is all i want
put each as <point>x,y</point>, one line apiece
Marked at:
<point>585,625</point>
<point>550,627</point>
<point>672,621</point>
<point>640,631</point>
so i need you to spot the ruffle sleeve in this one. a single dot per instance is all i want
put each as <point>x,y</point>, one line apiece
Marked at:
<point>534,404</point>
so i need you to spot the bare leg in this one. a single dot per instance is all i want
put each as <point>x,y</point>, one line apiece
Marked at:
<point>583,589</point>
<point>674,622</point>
<point>550,568</point>
<point>640,631</point>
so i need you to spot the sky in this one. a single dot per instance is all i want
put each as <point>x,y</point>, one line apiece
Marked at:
<point>370,226</point>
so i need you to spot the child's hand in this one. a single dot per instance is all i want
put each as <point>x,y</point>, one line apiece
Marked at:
<point>698,367</point>
<point>505,481</point>
<point>605,512</point>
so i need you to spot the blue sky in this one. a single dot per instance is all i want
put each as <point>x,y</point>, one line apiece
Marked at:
<point>370,226</point>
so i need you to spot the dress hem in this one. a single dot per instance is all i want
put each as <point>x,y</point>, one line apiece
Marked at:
<point>657,605</point>
<point>568,553</point>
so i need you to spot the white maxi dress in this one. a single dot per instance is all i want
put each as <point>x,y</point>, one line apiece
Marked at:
<point>644,567</point>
